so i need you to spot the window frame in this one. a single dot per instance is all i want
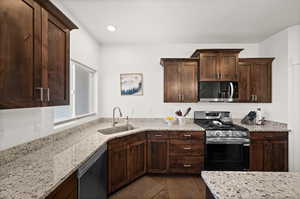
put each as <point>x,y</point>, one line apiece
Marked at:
<point>72,93</point>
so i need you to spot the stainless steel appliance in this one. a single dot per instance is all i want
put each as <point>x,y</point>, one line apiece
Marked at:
<point>227,144</point>
<point>218,91</point>
<point>92,176</point>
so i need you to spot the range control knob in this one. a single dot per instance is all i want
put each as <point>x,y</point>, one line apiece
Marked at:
<point>218,133</point>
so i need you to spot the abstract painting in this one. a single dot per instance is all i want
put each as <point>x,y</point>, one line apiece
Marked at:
<point>131,84</point>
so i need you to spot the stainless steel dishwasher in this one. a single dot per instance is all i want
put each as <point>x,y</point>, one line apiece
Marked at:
<point>92,176</point>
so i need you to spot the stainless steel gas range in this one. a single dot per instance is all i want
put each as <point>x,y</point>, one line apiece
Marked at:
<point>227,144</point>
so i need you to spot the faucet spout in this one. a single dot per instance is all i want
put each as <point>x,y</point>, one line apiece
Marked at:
<point>114,122</point>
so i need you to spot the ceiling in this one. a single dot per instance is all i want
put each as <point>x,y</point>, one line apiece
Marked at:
<point>185,21</point>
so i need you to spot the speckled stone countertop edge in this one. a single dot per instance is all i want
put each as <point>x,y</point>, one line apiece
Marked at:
<point>142,126</point>
<point>15,152</point>
<point>253,184</point>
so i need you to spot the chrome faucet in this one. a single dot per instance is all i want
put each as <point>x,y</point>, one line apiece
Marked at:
<point>114,113</point>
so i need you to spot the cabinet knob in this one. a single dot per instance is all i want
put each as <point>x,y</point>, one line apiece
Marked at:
<point>187,165</point>
<point>187,135</point>
<point>187,148</point>
<point>158,135</point>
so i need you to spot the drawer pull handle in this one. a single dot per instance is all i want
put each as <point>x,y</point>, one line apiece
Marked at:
<point>187,165</point>
<point>268,137</point>
<point>187,135</point>
<point>158,135</point>
<point>187,148</point>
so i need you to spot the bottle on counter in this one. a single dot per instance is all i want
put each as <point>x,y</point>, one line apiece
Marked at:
<point>259,117</point>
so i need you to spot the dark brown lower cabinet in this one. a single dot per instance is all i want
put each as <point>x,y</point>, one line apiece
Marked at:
<point>208,194</point>
<point>126,160</point>
<point>158,152</point>
<point>117,172</point>
<point>137,156</point>
<point>175,152</point>
<point>186,152</point>
<point>269,151</point>
<point>67,190</point>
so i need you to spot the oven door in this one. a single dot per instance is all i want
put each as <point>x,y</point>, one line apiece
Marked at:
<point>227,157</point>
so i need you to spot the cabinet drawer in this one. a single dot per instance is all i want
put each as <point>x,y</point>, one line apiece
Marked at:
<point>181,164</point>
<point>269,135</point>
<point>187,135</point>
<point>183,147</point>
<point>117,143</point>
<point>136,138</point>
<point>158,135</point>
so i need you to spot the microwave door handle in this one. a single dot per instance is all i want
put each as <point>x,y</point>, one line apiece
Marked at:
<point>231,90</point>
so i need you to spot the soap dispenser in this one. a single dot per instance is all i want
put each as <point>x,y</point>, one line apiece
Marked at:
<point>259,117</point>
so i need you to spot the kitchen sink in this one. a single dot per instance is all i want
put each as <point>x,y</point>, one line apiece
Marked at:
<point>117,129</point>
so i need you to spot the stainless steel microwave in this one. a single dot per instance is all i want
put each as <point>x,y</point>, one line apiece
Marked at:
<point>217,91</point>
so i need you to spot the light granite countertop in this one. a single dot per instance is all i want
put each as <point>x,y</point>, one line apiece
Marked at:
<point>37,173</point>
<point>269,126</point>
<point>249,185</point>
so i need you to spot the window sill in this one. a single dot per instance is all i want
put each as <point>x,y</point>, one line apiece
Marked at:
<point>72,120</point>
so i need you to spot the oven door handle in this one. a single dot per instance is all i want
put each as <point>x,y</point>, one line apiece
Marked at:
<point>243,141</point>
<point>231,87</point>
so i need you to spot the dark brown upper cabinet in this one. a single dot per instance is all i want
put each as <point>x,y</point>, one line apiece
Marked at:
<point>218,64</point>
<point>34,54</point>
<point>255,80</point>
<point>180,80</point>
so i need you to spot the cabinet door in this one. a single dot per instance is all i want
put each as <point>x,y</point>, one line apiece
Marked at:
<point>20,33</point>
<point>261,81</point>
<point>117,168</point>
<point>67,190</point>
<point>172,82</point>
<point>137,159</point>
<point>189,81</point>
<point>276,155</point>
<point>209,66</point>
<point>245,82</point>
<point>55,60</point>
<point>257,155</point>
<point>158,155</point>
<point>228,66</point>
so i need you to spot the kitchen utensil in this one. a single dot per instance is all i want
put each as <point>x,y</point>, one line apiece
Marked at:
<point>178,113</point>
<point>187,112</point>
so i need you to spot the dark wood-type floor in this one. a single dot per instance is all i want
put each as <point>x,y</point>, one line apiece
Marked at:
<point>163,187</point>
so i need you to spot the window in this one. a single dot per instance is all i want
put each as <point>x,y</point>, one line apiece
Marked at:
<point>82,91</point>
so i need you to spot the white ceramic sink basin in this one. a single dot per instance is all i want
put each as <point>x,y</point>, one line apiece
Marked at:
<point>117,129</point>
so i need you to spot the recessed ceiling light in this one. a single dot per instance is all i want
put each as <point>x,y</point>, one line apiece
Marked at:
<point>111,28</point>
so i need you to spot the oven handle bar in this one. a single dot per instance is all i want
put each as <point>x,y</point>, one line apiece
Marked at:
<point>243,141</point>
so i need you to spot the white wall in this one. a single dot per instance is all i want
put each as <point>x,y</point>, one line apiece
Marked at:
<point>277,46</point>
<point>116,59</point>
<point>23,125</point>
<point>294,95</point>
<point>285,46</point>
